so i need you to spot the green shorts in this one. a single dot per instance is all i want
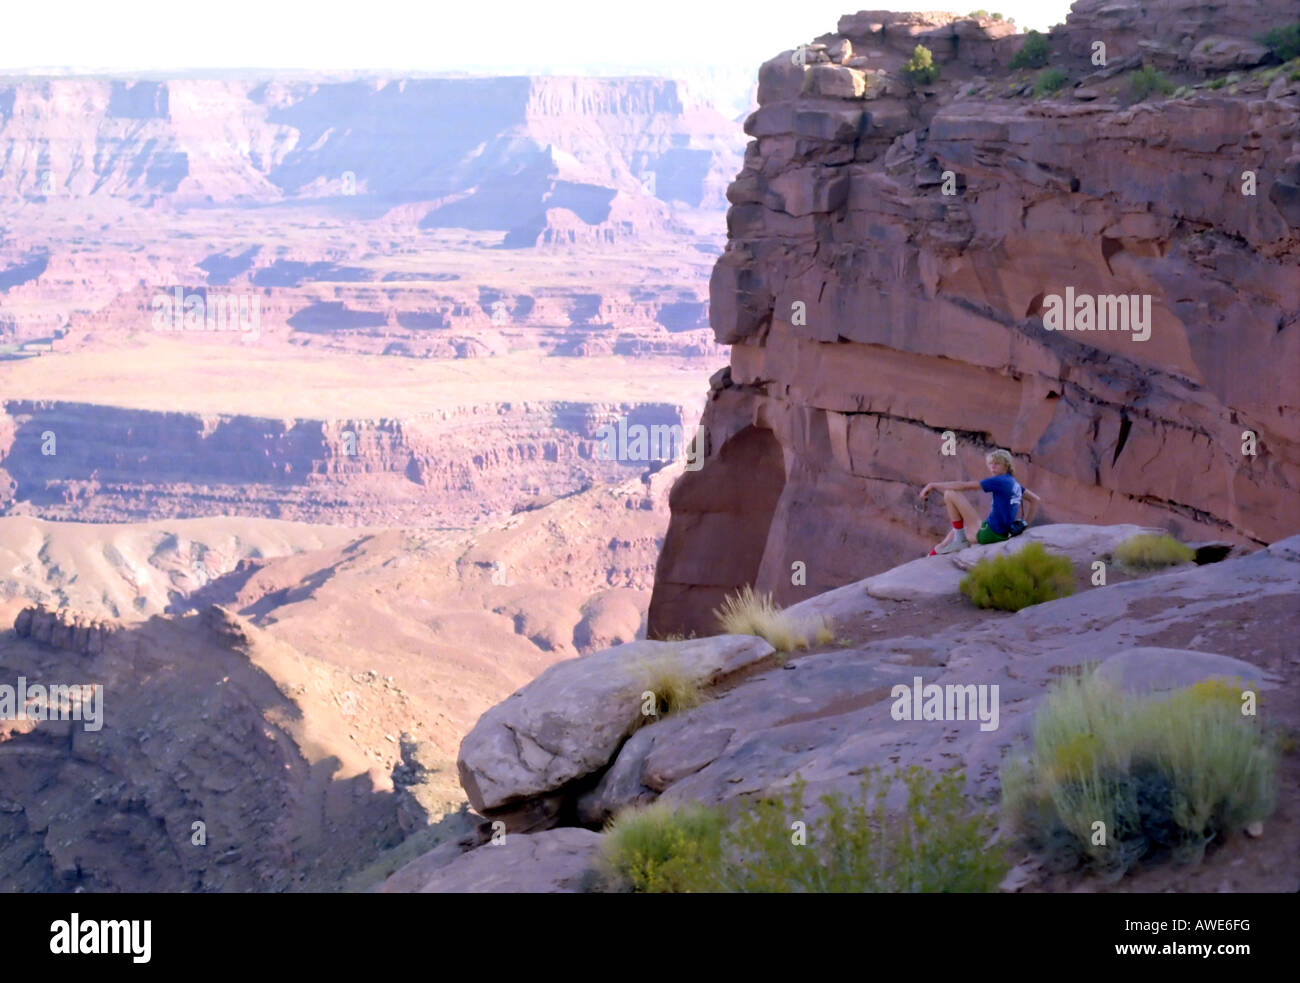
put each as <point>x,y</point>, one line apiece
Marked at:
<point>986,535</point>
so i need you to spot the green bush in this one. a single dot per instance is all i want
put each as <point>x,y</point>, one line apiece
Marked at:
<point>1165,776</point>
<point>936,844</point>
<point>1051,80</point>
<point>1284,42</point>
<point>1146,81</point>
<point>1148,552</point>
<point>920,68</point>
<point>1016,580</point>
<point>1219,83</point>
<point>660,848</point>
<point>978,14</point>
<point>1034,52</point>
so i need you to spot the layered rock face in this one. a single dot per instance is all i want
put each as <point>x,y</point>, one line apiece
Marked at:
<point>88,462</point>
<point>394,198</point>
<point>896,252</point>
<point>394,139</point>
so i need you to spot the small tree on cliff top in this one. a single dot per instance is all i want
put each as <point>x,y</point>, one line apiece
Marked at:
<point>1033,53</point>
<point>920,68</point>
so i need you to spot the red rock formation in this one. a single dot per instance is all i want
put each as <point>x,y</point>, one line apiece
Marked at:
<point>870,312</point>
<point>63,629</point>
<point>456,465</point>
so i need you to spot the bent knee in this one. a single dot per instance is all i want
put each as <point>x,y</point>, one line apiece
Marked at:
<point>949,495</point>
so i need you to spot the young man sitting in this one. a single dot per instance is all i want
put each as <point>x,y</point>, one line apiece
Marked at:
<point>1007,493</point>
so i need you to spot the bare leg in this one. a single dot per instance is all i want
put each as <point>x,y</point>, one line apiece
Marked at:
<point>960,508</point>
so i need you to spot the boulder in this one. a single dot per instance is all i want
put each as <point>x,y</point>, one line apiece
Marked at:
<point>1222,54</point>
<point>739,302</point>
<point>809,190</point>
<point>779,79</point>
<point>1147,669</point>
<point>571,720</point>
<point>557,861</point>
<point>829,125</point>
<point>835,82</point>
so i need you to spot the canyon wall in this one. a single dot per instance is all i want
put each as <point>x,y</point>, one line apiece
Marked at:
<point>893,249</point>
<point>96,463</point>
<point>487,149</point>
<point>416,217</point>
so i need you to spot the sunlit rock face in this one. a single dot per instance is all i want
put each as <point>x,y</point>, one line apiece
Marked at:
<point>897,254</point>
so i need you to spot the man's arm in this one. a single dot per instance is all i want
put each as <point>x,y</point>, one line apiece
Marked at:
<point>1030,509</point>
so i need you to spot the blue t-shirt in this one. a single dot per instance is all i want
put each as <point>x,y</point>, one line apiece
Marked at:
<point>1006,493</point>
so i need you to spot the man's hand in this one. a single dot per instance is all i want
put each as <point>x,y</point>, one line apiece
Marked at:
<point>926,491</point>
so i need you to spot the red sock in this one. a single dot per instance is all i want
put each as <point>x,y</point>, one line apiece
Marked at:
<point>957,524</point>
<point>933,553</point>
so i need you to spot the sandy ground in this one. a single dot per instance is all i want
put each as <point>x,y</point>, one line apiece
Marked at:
<point>178,376</point>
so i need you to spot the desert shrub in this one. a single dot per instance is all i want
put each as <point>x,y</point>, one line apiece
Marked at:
<point>1016,580</point>
<point>659,848</point>
<point>920,68</point>
<point>1218,83</point>
<point>1149,552</point>
<point>674,685</point>
<point>1147,81</point>
<point>1166,776</point>
<point>750,613</point>
<point>937,843</point>
<point>1284,42</point>
<point>1033,53</point>
<point>1051,80</point>
<point>978,14</point>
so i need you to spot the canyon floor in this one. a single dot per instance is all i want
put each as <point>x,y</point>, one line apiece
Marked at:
<point>361,655</point>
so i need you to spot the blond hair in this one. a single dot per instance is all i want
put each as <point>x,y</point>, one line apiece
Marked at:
<point>1004,458</point>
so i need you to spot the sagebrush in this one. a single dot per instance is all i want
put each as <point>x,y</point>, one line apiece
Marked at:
<point>1051,80</point>
<point>1033,53</point>
<point>1112,780</point>
<point>1283,42</point>
<point>1148,551</point>
<point>936,843</point>
<point>1148,81</point>
<point>1013,581</point>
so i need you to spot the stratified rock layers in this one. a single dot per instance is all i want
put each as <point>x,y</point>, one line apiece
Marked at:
<point>870,313</point>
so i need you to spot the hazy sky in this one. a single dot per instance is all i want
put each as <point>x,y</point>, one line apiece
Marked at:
<point>433,35</point>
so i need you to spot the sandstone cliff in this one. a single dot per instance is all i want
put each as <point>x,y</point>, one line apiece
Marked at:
<point>870,311</point>
<point>450,467</point>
